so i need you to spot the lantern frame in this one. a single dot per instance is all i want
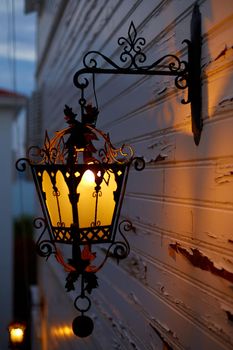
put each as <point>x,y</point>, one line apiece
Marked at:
<point>64,154</point>
<point>93,234</point>
<point>53,158</point>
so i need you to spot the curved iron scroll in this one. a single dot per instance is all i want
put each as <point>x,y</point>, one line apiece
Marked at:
<point>186,73</point>
<point>44,247</point>
<point>133,59</point>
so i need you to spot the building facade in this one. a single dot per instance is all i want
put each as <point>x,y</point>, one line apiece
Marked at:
<point>10,105</point>
<point>174,291</point>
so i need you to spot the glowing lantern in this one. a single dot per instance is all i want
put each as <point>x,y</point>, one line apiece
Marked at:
<point>81,204</point>
<point>81,193</point>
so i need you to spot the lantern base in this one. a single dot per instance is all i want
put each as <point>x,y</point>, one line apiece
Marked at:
<point>82,326</point>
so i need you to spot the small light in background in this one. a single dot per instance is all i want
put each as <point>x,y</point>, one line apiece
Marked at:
<point>16,333</point>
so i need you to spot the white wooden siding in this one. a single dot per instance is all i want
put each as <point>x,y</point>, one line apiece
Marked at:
<point>181,204</point>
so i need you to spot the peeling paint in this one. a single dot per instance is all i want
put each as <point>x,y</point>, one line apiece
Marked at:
<point>197,259</point>
<point>171,298</point>
<point>124,334</point>
<point>222,53</point>
<point>167,346</point>
<point>225,178</point>
<point>229,312</point>
<point>161,145</point>
<point>157,159</point>
<point>220,57</point>
<point>210,234</point>
<point>163,149</point>
<point>162,91</point>
<point>224,174</point>
<point>120,328</point>
<point>225,100</point>
<point>172,253</point>
<point>162,289</point>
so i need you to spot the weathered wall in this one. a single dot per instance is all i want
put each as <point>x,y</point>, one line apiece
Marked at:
<point>175,289</point>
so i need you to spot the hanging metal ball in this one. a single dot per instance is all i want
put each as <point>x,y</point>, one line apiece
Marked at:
<point>82,326</point>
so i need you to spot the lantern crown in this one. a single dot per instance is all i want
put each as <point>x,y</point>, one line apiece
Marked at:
<point>74,144</point>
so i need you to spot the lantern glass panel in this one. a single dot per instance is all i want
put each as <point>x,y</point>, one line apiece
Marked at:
<point>96,205</point>
<point>57,200</point>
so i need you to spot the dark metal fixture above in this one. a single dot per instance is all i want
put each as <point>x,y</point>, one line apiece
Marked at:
<point>187,74</point>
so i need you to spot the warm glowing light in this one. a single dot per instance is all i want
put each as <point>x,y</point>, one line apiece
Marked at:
<point>107,203</point>
<point>88,177</point>
<point>57,199</point>
<point>16,333</point>
<point>67,331</point>
<point>81,201</point>
<point>96,208</point>
<point>62,331</point>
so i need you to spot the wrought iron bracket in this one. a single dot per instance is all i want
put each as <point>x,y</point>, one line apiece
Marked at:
<point>187,74</point>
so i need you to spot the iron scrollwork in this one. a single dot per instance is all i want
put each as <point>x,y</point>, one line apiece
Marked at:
<point>44,247</point>
<point>132,50</point>
<point>122,248</point>
<point>138,163</point>
<point>133,59</point>
<point>21,164</point>
<point>187,74</point>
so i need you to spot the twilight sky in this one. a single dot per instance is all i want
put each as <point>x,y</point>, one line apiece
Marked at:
<point>25,47</point>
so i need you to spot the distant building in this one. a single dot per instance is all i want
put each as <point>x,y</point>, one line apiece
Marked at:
<point>174,291</point>
<point>10,105</point>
